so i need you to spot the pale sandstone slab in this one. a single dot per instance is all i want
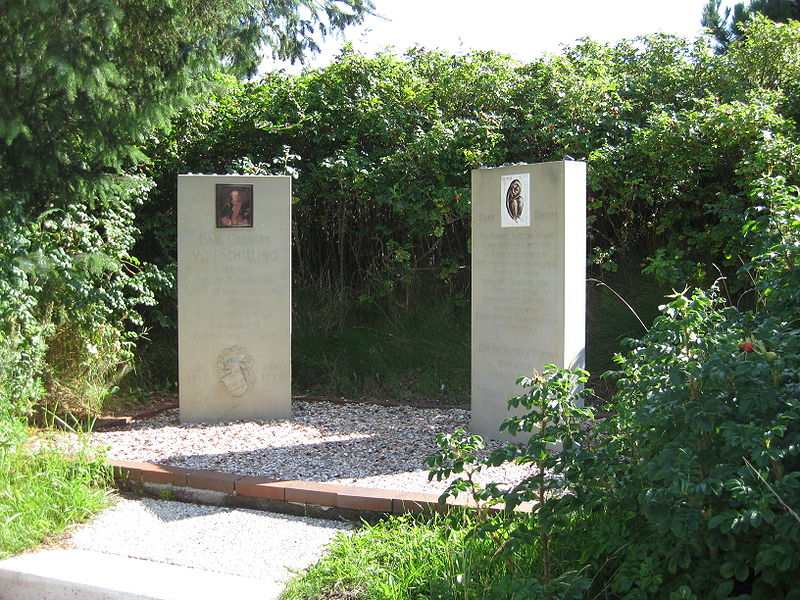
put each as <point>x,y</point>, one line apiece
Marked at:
<point>528,279</point>
<point>234,298</point>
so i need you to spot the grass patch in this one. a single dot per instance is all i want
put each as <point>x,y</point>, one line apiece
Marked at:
<point>406,557</point>
<point>42,492</point>
<point>609,321</point>
<point>416,353</point>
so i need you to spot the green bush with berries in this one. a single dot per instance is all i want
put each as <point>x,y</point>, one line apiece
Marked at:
<point>690,488</point>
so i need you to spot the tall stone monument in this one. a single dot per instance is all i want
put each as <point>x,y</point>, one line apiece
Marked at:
<point>528,280</point>
<point>234,297</point>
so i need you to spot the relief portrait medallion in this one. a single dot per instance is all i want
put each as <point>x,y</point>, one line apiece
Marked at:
<point>235,371</point>
<point>515,200</point>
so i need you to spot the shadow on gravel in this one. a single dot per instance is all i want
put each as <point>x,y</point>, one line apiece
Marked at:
<point>324,461</point>
<point>384,440</point>
<point>328,418</point>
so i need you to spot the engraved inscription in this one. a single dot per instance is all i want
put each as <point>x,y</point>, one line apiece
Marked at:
<point>235,369</point>
<point>514,280</point>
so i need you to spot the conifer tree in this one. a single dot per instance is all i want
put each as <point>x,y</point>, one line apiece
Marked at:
<point>726,25</point>
<point>82,83</point>
<point>82,80</point>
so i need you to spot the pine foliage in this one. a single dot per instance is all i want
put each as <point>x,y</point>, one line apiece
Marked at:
<point>82,84</point>
<point>726,25</point>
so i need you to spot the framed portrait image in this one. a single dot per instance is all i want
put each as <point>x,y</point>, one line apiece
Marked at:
<point>515,200</point>
<point>234,205</point>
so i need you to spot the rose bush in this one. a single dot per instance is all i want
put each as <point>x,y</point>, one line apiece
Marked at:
<point>690,488</point>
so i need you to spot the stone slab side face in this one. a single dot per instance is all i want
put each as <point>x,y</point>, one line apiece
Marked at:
<point>234,299</point>
<point>528,280</point>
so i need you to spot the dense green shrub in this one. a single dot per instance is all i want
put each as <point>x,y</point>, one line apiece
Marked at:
<point>82,84</point>
<point>676,137</point>
<point>383,146</point>
<point>690,488</point>
<point>69,296</point>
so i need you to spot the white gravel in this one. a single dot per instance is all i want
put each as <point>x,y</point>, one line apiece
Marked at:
<point>246,543</point>
<point>354,444</point>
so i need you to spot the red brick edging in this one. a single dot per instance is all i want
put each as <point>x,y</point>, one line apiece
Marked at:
<point>137,475</point>
<point>304,492</point>
<point>110,422</point>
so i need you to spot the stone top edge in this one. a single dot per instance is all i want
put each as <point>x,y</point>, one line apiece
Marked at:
<point>237,175</point>
<point>525,165</point>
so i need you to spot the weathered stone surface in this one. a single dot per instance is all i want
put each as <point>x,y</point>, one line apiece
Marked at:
<point>528,279</point>
<point>234,297</point>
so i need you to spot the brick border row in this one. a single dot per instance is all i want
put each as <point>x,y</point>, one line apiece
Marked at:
<point>281,494</point>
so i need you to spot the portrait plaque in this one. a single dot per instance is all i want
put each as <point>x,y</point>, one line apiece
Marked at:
<point>515,200</point>
<point>234,205</point>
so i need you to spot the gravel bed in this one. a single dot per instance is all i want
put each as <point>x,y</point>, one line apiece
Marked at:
<point>247,543</point>
<point>354,444</point>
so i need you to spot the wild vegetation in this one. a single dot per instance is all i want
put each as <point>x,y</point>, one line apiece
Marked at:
<point>82,84</point>
<point>676,137</point>
<point>42,492</point>
<point>688,489</point>
<point>407,557</point>
<point>727,24</point>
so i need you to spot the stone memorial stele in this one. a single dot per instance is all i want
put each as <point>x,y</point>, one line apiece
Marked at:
<point>528,280</point>
<point>234,297</point>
